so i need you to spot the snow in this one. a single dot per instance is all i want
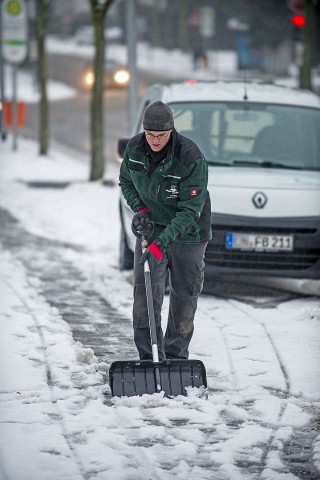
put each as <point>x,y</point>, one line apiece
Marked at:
<point>30,93</point>
<point>57,417</point>
<point>221,64</point>
<point>157,59</point>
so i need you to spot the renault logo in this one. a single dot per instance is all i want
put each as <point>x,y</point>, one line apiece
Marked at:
<point>259,200</point>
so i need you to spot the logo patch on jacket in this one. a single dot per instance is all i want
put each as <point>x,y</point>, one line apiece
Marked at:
<point>194,192</point>
<point>173,192</point>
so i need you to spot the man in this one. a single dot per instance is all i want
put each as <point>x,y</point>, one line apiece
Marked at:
<point>164,178</point>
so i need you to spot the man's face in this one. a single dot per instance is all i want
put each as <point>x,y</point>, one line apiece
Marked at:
<point>157,140</point>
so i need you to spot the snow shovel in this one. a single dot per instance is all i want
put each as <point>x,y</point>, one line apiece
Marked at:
<point>137,377</point>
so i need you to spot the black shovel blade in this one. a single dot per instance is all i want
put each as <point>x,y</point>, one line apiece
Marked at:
<point>135,377</point>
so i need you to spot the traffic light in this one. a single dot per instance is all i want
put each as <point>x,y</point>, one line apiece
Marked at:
<point>298,20</point>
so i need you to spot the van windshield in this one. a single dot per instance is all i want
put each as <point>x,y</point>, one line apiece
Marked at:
<point>252,134</point>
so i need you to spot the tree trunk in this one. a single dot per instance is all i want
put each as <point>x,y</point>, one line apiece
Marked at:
<point>42,78</point>
<point>98,11</point>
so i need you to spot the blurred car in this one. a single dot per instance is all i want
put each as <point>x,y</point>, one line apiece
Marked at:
<point>114,34</point>
<point>262,145</point>
<point>115,75</point>
<point>84,35</point>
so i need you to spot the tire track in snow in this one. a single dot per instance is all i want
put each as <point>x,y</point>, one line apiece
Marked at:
<point>304,470</point>
<point>273,444</point>
<point>281,364</point>
<point>270,446</point>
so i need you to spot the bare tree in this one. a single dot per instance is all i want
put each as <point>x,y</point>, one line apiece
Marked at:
<point>99,10</point>
<point>42,15</point>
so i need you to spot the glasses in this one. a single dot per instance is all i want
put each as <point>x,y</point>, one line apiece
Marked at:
<point>159,137</point>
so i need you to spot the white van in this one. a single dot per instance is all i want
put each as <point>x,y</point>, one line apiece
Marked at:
<point>262,145</point>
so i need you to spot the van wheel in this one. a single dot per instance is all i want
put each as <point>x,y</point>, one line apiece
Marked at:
<point>125,254</point>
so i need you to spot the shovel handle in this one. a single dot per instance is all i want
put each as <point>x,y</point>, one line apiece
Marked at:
<point>152,323</point>
<point>152,320</point>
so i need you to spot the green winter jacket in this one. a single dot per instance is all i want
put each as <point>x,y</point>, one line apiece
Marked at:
<point>176,191</point>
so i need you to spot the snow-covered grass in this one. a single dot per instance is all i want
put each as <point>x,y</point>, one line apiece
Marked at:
<point>28,91</point>
<point>221,64</point>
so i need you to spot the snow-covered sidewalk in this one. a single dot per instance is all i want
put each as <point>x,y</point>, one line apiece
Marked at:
<point>38,361</point>
<point>57,417</point>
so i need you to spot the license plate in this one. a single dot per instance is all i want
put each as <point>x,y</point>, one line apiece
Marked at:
<point>247,241</point>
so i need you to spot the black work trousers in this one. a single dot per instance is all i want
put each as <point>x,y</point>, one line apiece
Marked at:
<point>185,264</point>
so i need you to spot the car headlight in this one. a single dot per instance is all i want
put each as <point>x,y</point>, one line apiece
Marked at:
<point>121,77</point>
<point>89,79</point>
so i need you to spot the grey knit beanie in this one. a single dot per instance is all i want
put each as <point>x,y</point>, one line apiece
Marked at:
<point>157,117</point>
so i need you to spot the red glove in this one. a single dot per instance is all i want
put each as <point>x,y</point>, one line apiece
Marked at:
<point>143,209</point>
<point>153,251</point>
<point>156,251</point>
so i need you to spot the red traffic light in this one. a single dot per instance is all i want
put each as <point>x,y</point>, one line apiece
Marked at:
<point>298,20</point>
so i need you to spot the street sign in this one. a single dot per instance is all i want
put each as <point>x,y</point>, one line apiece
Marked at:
<point>207,23</point>
<point>14,30</point>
